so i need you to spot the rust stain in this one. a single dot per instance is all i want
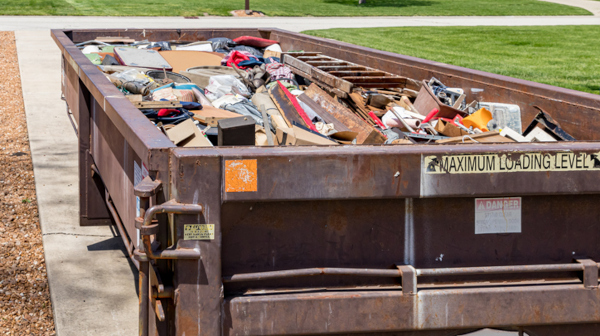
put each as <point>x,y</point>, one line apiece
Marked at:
<point>241,176</point>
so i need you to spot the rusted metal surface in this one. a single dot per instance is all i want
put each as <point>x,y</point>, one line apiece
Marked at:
<point>328,211</point>
<point>378,311</point>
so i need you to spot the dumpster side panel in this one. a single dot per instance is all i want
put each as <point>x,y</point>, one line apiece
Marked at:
<point>115,158</point>
<point>378,311</point>
<point>379,234</point>
<point>198,283</point>
<point>92,206</point>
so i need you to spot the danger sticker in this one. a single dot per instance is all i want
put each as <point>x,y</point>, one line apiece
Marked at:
<point>240,176</point>
<point>498,215</point>
<point>199,231</point>
<point>505,163</point>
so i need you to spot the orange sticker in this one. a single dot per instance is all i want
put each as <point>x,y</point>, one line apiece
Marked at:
<point>240,176</point>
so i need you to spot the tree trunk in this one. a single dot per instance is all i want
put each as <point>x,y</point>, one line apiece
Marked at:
<point>360,2</point>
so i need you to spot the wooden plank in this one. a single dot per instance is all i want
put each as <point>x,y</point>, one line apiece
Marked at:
<point>337,110</point>
<point>328,68</point>
<point>319,75</point>
<point>285,106</point>
<point>379,85</point>
<point>359,103</point>
<point>329,63</point>
<point>296,54</point>
<point>324,86</point>
<point>313,58</point>
<point>326,116</point>
<point>333,81</point>
<point>358,80</point>
<point>156,104</point>
<point>357,73</point>
<point>298,64</point>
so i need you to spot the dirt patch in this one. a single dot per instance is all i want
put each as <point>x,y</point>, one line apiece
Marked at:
<point>25,307</point>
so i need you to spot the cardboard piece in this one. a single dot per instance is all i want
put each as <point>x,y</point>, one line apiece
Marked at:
<point>366,133</point>
<point>261,137</point>
<point>263,98</point>
<point>208,112</point>
<point>201,75</point>
<point>272,53</point>
<point>487,137</point>
<point>297,136</point>
<point>445,128</point>
<point>141,58</point>
<point>181,60</point>
<point>344,137</point>
<point>187,134</point>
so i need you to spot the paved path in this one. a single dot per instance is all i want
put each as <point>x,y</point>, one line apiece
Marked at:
<point>289,23</point>
<point>590,5</point>
<point>92,286</point>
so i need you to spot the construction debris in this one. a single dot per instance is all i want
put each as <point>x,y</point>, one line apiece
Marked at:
<point>309,98</point>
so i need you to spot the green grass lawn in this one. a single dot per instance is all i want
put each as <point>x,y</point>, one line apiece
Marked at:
<point>566,56</point>
<point>286,7</point>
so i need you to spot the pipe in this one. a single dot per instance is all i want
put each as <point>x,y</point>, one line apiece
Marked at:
<point>395,273</point>
<point>500,269</point>
<point>311,272</point>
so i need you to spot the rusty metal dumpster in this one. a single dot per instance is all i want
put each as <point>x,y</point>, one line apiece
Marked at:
<point>344,239</point>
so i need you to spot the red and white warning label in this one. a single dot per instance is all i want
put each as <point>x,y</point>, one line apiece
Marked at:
<point>498,215</point>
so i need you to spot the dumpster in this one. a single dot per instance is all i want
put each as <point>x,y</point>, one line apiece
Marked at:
<point>346,239</point>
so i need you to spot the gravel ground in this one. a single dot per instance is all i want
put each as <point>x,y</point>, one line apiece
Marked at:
<point>25,307</point>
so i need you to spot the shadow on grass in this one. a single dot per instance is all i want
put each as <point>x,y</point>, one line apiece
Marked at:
<point>383,3</point>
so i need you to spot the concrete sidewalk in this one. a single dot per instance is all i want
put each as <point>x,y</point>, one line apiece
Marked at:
<point>590,5</point>
<point>92,284</point>
<point>289,23</point>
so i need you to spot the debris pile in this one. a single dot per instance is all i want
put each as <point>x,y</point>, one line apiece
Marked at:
<point>247,91</point>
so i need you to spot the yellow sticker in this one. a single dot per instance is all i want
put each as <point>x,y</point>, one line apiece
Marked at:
<point>515,162</point>
<point>199,231</point>
<point>240,176</point>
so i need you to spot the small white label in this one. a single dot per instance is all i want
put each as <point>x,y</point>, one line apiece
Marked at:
<point>498,215</point>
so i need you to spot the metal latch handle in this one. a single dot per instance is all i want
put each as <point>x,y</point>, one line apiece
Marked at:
<point>147,229</point>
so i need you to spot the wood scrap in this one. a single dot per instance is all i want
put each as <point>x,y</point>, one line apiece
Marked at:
<point>326,116</point>
<point>288,108</point>
<point>209,115</point>
<point>156,104</point>
<point>366,133</point>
